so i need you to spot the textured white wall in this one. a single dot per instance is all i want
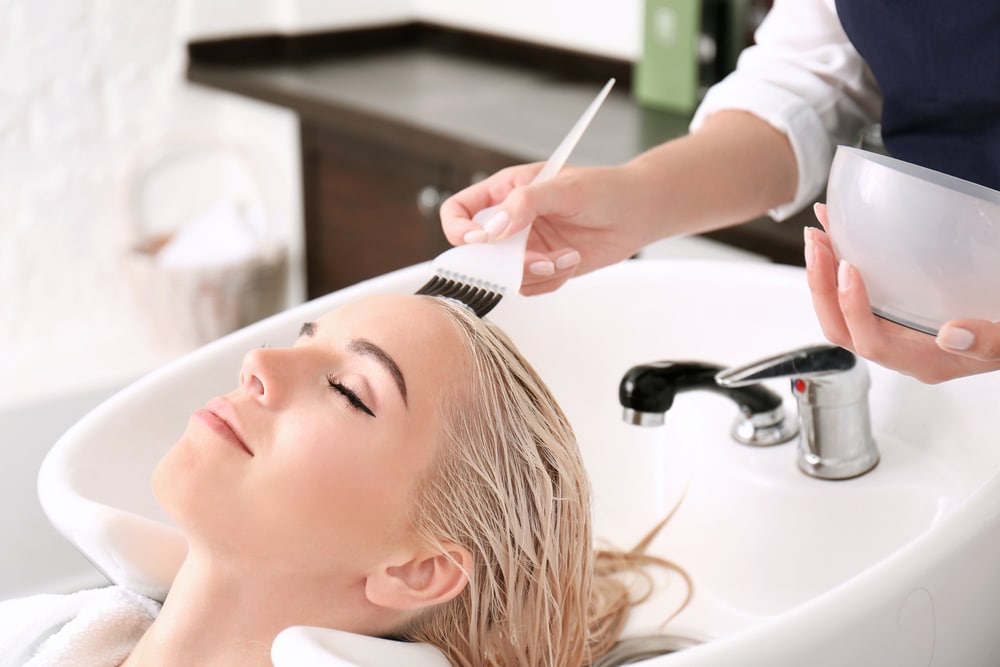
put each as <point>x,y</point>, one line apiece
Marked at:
<point>83,86</point>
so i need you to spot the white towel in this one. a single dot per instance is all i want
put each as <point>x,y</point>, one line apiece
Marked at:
<point>91,628</point>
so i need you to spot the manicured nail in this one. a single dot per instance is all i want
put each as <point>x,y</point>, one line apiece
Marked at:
<point>496,224</point>
<point>955,338</point>
<point>542,267</point>
<point>843,276</point>
<point>816,208</point>
<point>810,249</point>
<point>568,261</point>
<point>475,236</point>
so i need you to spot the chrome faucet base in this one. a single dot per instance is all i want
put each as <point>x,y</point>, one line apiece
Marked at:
<point>765,429</point>
<point>834,469</point>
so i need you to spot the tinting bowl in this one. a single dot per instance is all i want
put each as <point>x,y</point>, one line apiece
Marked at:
<point>927,244</point>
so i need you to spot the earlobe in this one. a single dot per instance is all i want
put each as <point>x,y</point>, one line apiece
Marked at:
<point>425,580</point>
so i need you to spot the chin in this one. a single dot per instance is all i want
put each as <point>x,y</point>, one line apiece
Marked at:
<point>178,482</point>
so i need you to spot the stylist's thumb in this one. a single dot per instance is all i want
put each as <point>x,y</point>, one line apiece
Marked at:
<point>977,339</point>
<point>522,207</point>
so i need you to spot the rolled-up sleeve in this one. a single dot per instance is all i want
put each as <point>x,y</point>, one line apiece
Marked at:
<point>803,77</point>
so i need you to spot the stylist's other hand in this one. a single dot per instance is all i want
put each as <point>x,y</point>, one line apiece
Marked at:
<point>962,347</point>
<point>574,217</point>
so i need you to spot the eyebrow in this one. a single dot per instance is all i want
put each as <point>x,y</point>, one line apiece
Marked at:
<point>366,348</point>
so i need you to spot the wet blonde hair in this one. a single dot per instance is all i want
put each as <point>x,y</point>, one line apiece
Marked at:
<point>508,483</point>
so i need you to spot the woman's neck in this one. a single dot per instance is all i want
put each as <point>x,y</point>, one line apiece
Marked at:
<point>216,617</point>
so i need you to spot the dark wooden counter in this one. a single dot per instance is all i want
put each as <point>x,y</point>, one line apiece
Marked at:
<point>394,119</point>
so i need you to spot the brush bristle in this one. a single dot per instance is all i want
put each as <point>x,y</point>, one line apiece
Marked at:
<point>480,299</point>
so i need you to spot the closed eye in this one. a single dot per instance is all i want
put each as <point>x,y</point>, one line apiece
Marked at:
<point>349,395</point>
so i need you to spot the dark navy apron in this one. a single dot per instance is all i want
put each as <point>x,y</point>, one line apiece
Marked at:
<point>938,65</point>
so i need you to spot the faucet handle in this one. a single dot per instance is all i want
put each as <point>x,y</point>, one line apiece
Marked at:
<point>805,362</point>
<point>830,385</point>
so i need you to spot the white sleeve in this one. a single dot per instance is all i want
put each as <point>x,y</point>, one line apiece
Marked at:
<point>804,78</point>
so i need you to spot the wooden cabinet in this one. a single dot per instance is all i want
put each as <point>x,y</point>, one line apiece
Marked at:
<point>371,202</point>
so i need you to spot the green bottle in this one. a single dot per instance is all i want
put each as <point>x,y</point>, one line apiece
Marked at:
<point>666,75</point>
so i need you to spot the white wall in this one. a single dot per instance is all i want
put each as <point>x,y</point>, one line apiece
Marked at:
<point>228,17</point>
<point>84,87</point>
<point>313,15</point>
<point>603,27</point>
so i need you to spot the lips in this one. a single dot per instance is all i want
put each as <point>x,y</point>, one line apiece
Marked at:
<point>218,415</point>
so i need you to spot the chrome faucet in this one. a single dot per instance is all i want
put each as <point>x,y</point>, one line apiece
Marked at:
<point>647,391</point>
<point>830,385</point>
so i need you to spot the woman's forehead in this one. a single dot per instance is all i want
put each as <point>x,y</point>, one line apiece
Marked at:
<point>413,329</point>
<point>387,312</point>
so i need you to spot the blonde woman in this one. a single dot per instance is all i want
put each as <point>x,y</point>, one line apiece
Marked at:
<point>400,471</point>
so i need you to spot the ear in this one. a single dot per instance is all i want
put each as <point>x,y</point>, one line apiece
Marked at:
<point>427,579</point>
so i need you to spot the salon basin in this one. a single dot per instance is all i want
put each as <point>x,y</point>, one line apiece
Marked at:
<point>896,567</point>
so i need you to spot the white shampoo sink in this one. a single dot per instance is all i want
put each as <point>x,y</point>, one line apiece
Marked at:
<point>898,567</point>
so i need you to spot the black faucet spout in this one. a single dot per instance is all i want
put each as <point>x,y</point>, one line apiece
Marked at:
<point>646,392</point>
<point>652,387</point>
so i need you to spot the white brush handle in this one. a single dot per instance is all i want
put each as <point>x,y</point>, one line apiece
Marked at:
<point>562,151</point>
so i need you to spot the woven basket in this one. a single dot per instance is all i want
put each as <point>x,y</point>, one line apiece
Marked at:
<point>172,183</point>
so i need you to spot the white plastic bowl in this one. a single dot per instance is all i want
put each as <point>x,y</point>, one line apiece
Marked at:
<point>927,244</point>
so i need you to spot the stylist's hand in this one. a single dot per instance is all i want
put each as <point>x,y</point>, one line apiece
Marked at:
<point>575,217</point>
<point>962,347</point>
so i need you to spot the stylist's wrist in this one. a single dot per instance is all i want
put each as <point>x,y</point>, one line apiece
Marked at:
<point>646,203</point>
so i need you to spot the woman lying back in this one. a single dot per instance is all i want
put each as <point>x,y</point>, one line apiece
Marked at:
<point>400,471</point>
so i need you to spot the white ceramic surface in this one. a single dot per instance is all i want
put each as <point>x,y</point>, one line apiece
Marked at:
<point>897,567</point>
<point>927,244</point>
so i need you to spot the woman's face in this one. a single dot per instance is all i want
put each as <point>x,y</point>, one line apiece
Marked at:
<point>307,465</point>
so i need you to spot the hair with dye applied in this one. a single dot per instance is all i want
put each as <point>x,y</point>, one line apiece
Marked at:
<point>508,483</point>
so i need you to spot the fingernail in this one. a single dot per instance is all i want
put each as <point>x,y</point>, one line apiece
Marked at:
<point>475,236</point>
<point>568,260</point>
<point>816,208</point>
<point>496,224</point>
<point>810,249</point>
<point>843,276</point>
<point>542,267</point>
<point>955,338</point>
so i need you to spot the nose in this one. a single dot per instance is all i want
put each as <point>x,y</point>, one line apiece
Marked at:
<point>262,375</point>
